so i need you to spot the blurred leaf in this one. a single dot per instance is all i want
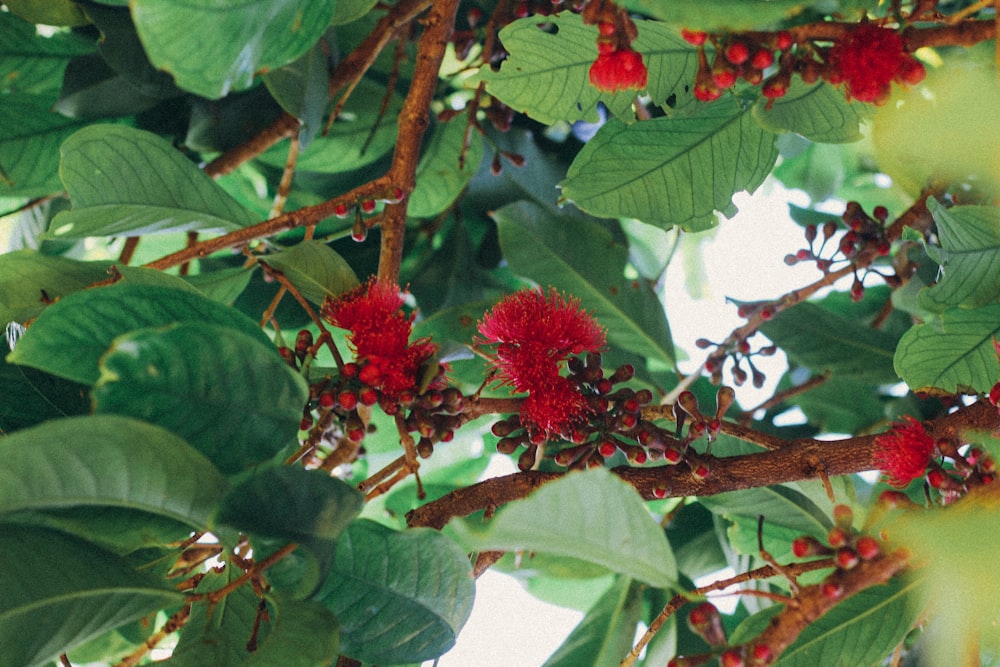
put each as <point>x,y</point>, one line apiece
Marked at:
<point>301,88</point>
<point>70,336</point>
<point>30,63</point>
<point>390,611</point>
<point>605,634</point>
<point>818,170</point>
<point>607,525</point>
<point>346,11</point>
<point>546,74</point>
<point>580,257</point>
<point>724,16</point>
<point>60,591</point>
<point>840,404</point>
<point>440,179</point>
<point>30,397</point>
<point>231,397</point>
<point>48,12</point>
<point>818,112</point>
<point>953,355</point>
<point>91,89</point>
<point>107,461</point>
<point>216,47</point>
<point>315,269</point>
<point>969,257</point>
<point>821,340</point>
<point>672,171</point>
<point>124,181</point>
<point>303,634</point>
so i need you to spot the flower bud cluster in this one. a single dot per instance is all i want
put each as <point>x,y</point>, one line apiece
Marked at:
<point>745,56</point>
<point>740,351</point>
<point>706,622</point>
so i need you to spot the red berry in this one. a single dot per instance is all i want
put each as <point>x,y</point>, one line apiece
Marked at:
<point>762,59</point>
<point>349,370</point>
<point>803,253</point>
<point>347,400</point>
<point>305,424</point>
<point>880,213</point>
<point>672,456</point>
<point>606,28</point>
<point>762,653</point>
<point>847,558</point>
<point>368,396</point>
<point>832,590</point>
<point>341,210</point>
<point>702,472</point>
<point>774,87</point>
<point>783,40</point>
<point>731,658</point>
<point>723,77</point>
<point>867,547</point>
<point>767,312</point>
<point>805,546</point>
<point>368,205</point>
<point>659,492</point>
<point>883,248</point>
<point>369,375</point>
<point>737,53</point>
<point>327,399</point>
<point>937,478</point>
<point>837,537</point>
<point>703,614</point>
<point>639,457</point>
<point>694,37</point>
<point>607,448</point>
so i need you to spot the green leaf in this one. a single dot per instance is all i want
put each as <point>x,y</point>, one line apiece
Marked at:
<point>27,277</point>
<point>315,269</point>
<point>361,135</point>
<point>30,136</point>
<point>214,47</point>
<point>92,90</point>
<point>124,181</point>
<point>547,74</point>
<point>592,516</point>
<point>303,634</point>
<point>49,12</point>
<point>818,112</point>
<point>580,257</point>
<point>440,176</point>
<point>70,336</point>
<point>821,340</point>
<point>60,591</point>
<point>953,355</point>
<point>233,398</point>
<point>107,461</point>
<point>672,171</point>
<point>605,634</point>
<point>284,504</point>
<point>725,16</point>
<point>346,11</point>
<point>30,397</point>
<point>840,404</point>
<point>222,285</point>
<point>390,611</point>
<point>30,63</point>
<point>302,89</point>
<point>969,257</point>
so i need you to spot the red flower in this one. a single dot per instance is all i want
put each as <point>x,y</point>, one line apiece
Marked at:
<point>868,59</point>
<point>536,332</point>
<point>904,452</point>
<point>380,335</point>
<point>619,69</point>
<point>995,391</point>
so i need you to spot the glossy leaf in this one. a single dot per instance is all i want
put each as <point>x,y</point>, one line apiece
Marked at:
<point>969,257</point>
<point>60,591</point>
<point>953,355</point>
<point>301,88</point>
<point>49,12</point>
<point>605,634</point>
<point>821,340</point>
<point>30,136</point>
<point>591,516</point>
<point>222,285</point>
<point>445,168</point>
<point>69,338</point>
<point>672,171</point>
<point>233,398</point>
<point>390,611</point>
<point>546,74</point>
<point>315,269</point>
<point>818,112</point>
<point>107,461</point>
<point>30,63</point>
<point>214,47</point>
<point>563,251</point>
<point>124,181</point>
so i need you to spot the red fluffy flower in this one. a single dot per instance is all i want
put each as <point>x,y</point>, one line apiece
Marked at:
<point>536,332</point>
<point>904,452</point>
<point>620,69</point>
<point>868,59</point>
<point>380,335</point>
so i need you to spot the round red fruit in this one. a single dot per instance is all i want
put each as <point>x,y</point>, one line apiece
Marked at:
<point>737,53</point>
<point>694,37</point>
<point>762,59</point>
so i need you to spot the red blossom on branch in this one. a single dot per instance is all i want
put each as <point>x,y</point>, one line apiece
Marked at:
<point>380,336</point>
<point>904,452</point>
<point>995,391</point>
<point>620,69</point>
<point>868,59</point>
<point>536,332</point>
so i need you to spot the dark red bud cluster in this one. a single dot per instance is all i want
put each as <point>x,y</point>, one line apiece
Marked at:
<point>744,56</point>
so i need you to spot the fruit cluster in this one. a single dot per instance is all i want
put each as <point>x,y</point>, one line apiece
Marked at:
<point>739,57</point>
<point>740,351</point>
<point>706,621</point>
<point>844,544</point>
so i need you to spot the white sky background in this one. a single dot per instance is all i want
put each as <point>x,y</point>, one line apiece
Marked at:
<point>742,259</point>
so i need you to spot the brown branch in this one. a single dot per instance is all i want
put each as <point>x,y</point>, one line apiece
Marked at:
<point>795,460</point>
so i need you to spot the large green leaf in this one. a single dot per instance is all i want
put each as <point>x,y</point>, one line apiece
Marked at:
<point>391,611</point>
<point>720,15</point>
<point>580,257</point>
<point>31,397</point>
<point>303,634</point>
<point>672,171</point>
<point>592,516</point>
<point>445,168</point>
<point>818,112</point>
<point>969,257</point>
<point>30,63</point>
<point>953,355</point>
<point>546,75</point>
<point>233,398</point>
<point>605,634</point>
<point>59,591</point>
<point>821,340</point>
<point>302,89</point>
<point>28,279</point>
<point>70,336</point>
<point>107,462</point>
<point>217,46</point>
<point>30,136</point>
<point>127,182</point>
<point>315,269</point>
